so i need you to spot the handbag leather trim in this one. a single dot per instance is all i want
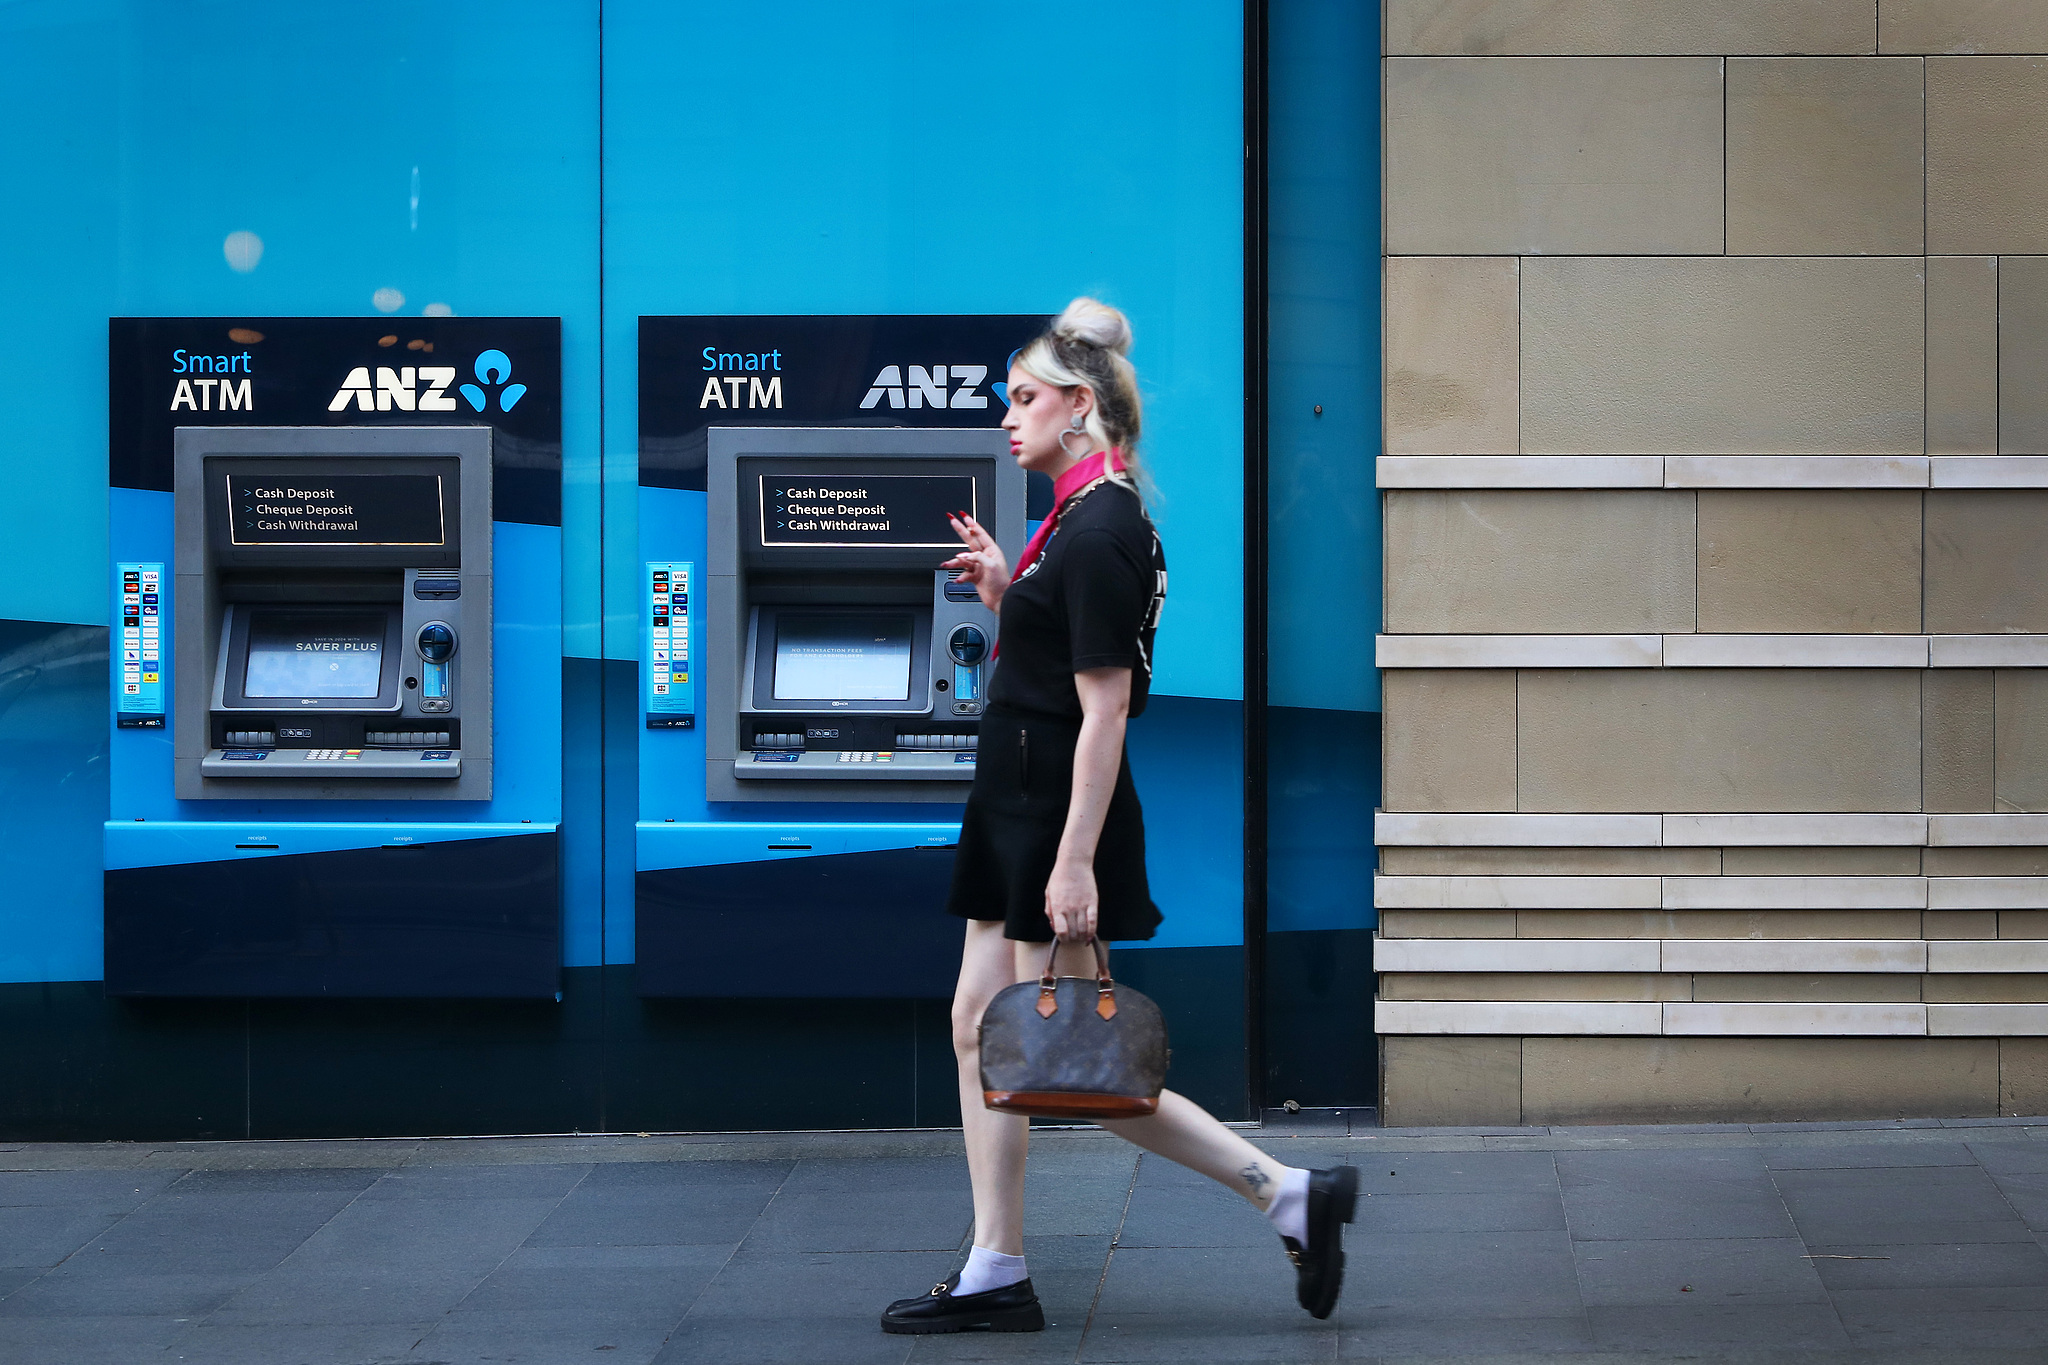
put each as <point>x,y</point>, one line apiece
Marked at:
<point>1064,1104</point>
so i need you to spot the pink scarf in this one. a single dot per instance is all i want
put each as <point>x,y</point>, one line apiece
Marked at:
<point>1085,471</point>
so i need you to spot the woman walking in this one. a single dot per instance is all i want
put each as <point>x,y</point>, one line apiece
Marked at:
<point>1053,842</point>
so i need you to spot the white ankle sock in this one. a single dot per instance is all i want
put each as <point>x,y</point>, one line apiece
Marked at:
<point>988,1270</point>
<point>1289,1209</point>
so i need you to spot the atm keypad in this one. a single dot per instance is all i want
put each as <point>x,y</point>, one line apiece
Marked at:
<point>865,756</point>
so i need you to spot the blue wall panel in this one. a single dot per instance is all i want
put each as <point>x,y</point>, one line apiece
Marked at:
<point>910,157</point>
<point>1324,232</point>
<point>53,794</point>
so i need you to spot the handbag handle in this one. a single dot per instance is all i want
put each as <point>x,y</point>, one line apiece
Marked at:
<point>1048,984</point>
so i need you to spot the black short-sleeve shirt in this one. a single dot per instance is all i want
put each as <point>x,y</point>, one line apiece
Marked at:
<point>1091,600</point>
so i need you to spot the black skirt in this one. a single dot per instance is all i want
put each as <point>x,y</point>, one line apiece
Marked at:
<point>1010,837</point>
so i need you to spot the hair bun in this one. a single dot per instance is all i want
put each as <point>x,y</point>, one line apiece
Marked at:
<point>1094,323</point>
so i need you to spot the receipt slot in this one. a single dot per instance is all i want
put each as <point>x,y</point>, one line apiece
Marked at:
<point>325,578</point>
<point>843,664</point>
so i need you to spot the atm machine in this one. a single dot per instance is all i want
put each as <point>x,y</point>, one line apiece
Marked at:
<point>843,663</point>
<point>333,610</point>
<point>840,675</point>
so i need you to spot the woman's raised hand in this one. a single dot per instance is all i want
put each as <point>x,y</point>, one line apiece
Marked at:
<point>981,563</point>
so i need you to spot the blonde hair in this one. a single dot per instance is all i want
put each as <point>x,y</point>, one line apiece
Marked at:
<point>1087,347</point>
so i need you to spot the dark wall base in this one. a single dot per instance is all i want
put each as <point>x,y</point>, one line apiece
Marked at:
<point>77,1065</point>
<point>1320,1047</point>
<point>866,925</point>
<point>467,918</point>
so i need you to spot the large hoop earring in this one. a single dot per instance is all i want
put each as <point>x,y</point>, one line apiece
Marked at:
<point>1078,427</point>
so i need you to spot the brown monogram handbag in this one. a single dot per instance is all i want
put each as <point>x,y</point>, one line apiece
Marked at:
<point>1070,1048</point>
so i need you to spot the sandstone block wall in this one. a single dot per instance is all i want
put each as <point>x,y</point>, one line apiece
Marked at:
<point>1715,482</point>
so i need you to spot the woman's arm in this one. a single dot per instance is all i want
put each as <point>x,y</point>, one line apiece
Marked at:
<point>1070,896</point>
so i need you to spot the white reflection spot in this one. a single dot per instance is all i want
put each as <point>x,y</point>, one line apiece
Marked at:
<point>244,251</point>
<point>437,310</point>
<point>388,300</point>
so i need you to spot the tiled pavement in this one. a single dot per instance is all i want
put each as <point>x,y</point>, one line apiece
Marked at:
<point>1814,1243</point>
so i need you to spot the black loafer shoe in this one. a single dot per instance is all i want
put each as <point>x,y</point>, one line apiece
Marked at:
<point>1012,1308</point>
<point>1319,1266</point>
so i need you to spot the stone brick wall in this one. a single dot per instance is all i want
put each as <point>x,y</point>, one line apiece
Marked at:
<point>1716,504</point>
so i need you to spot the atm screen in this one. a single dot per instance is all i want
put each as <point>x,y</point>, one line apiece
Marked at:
<point>843,656</point>
<point>314,654</point>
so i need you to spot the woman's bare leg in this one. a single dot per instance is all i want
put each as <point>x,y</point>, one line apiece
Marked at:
<point>1181,1130</point>
<point>995,1142</point>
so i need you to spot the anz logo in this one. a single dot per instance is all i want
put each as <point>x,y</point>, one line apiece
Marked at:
<point>400,387</point>
<point>928,387</point>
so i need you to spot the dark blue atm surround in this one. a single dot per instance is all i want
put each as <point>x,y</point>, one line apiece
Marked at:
<point>349,898</point>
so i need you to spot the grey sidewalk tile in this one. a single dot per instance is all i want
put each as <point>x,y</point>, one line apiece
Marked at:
<point>1060,1341</point>
<point>862,1221</point>
<point>1210,1282</point>
<point>1193,1214</point>
<point>253,1229</point>
<point>86,1340</point>
<point>214,1343</point>
<point>1076,1191</point>
<point>690,1175</point>
<point>2027,1192</point>
<point>2003,1298</point>
<point>663,1205</point>
<point>626,1281</point>
<point>546,1337</point>
<point>767,1340</point>
<point>1216,1303</point>
<point>40,1235</point>
<point>349,1180</point>
<point>1644,1196</point>
<point>477,1182</point>
<point>1490,1211</point>
<point>1881,1326</point>
<point>1694,1328</point>
<point>1934,1265</point>
<point>335,1297</point>
<point>1844,1126</point>
<point>1172,1337</point>
<point>1450,1275</point>
<point>769,1309</point>
<point>63,1293</point>
<point>1457,1173</point>
<point>1807,1157</point>
<point>1044,1253</point>
<point>2015,1158</point>
<point>1899,1204</point>
<point>910,1174</point>
<point>1690,1273</point>
<point>111,1189</point>
<point>1631,1130</point>
<point>806,1287</point>
<point>434,1234</point>
<point>1991,1123</point>
<point>1482,1130</point>
<point>1405,1338</point>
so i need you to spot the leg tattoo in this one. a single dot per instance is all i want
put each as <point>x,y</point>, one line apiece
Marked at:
<point>1257,1179</point>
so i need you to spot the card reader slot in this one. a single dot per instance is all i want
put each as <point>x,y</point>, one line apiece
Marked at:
<point>296,589</point>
